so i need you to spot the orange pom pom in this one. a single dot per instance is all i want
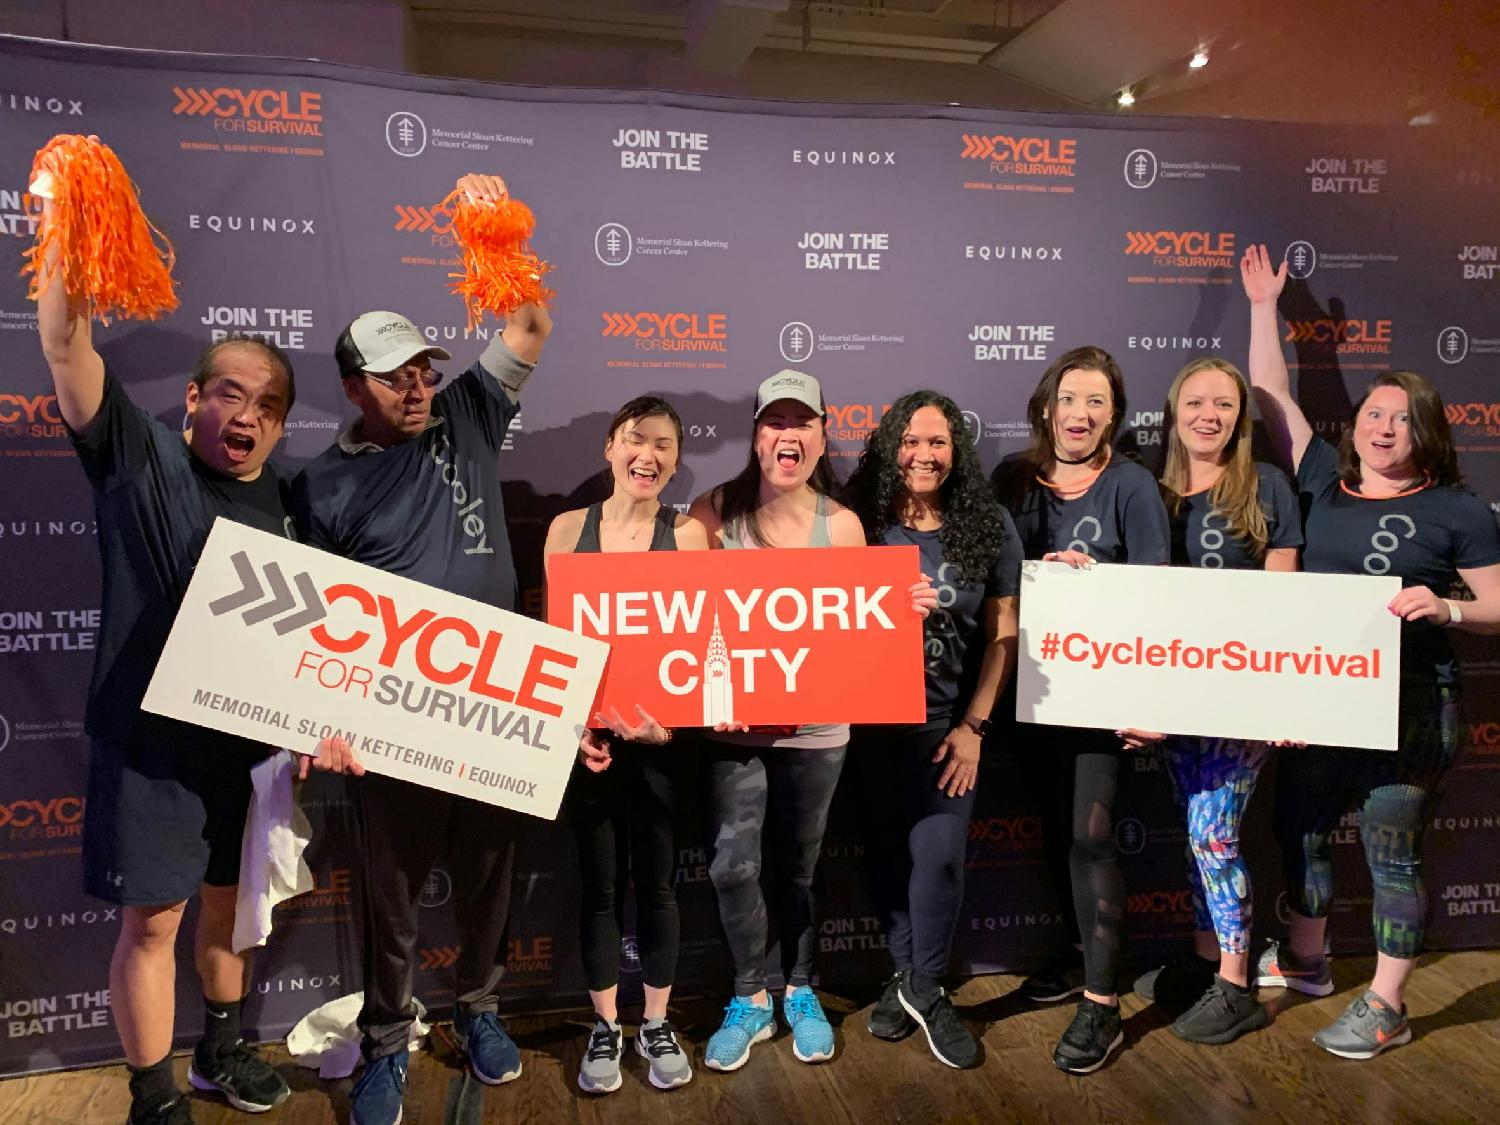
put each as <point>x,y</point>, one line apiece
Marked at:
<point>500,271</point>
<point>110,255</point>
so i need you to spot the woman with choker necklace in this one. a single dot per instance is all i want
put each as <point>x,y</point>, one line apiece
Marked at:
<point>1389,500</point>
<point>1073,500</point>
<point>622,797</point>
<point>1228,512</point>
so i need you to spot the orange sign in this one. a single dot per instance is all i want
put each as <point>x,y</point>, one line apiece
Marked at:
<point>761,637</point>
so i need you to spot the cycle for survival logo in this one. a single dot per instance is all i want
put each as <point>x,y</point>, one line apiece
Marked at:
<point>265,120</point>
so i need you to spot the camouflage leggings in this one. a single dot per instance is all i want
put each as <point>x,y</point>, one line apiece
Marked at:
<point>772,801</point>
<point>1394,793</point>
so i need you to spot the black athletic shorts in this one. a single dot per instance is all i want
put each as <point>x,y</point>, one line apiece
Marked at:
<point>160,821</point>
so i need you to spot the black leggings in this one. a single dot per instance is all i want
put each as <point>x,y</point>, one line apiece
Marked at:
<point>622,823</point>
<point>1395,793</point>
<point>1080,774</point>
<point>773,800</point>
<point>918,838</point>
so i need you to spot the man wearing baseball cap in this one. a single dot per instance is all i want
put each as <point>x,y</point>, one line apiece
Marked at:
<point>410,486</point>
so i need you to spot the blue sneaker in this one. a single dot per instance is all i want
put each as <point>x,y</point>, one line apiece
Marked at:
<point>493,1055</point>
<point>812,1034</point>
<point>745,1024</point>
<point>376,1097</point>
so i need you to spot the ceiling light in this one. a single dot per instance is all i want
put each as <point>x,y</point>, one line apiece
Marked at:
<point>1199,60</point>
<point>1126,98</point>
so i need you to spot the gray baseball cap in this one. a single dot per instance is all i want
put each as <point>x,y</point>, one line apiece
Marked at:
<point>793,385</point>
<point>381,342</point>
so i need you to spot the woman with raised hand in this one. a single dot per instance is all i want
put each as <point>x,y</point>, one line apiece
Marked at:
<point>623,794</point>
<point>1228,512</point>
<point>770,787</point>
<point>1075,501</point>
<point>919,484</point>
<point>1388,500</point>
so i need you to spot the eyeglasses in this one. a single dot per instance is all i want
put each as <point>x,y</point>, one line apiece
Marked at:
<point>404,379</point>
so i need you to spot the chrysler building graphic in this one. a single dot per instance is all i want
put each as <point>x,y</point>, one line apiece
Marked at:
<point>718,685</point>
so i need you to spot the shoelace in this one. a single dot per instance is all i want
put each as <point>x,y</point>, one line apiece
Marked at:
<point>803,1003</point>
<point>604,1043</point>
<point>944,1015</point>
<point>1092,1019</point>
<point>1211,1000</point>
<point>660,1041</point>
<point>740,1010</point>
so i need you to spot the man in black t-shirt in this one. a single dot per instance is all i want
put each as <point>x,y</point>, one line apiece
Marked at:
<point>411,487</point>
<point>167,800</point>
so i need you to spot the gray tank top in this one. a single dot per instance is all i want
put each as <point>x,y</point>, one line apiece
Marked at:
<point>663,534</point>
<point>812,736</point>
<point>737,536</point>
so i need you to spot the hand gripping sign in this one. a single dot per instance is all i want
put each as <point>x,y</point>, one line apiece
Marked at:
<point>286,644</point>
<point>787,636</point>
<point>1228,653</point>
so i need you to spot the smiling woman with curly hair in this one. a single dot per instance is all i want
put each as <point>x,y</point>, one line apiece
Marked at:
<point>919,484</point>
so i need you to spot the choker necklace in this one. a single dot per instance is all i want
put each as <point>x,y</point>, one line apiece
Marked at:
<point>1080,461</point>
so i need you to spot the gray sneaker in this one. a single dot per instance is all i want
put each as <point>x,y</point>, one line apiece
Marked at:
<point>656,1042</point>
<point>1367,1027</point>
<point>1280,968</point>
<point>599,1073</point>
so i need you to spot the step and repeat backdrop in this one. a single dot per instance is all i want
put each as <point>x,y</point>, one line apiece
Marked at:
<point>701,244</point>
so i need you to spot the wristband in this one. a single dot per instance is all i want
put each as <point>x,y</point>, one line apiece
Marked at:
<point>1455,614</point>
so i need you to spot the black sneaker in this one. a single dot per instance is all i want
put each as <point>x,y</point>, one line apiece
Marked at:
<point>1090,1039</point>
<point>949,1039</point>
<point>248,1081</point>
<point>888,1019</point>
<point>177,1111</point>
<point>1222,1014</point>
<point>1058,981</point>
<point>1177,985</point>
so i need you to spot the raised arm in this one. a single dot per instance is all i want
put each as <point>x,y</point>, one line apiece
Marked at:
<point>68,343</point>
<point>1285,422</point>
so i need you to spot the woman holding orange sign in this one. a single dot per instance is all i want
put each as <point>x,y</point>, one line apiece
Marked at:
<point>623,794</point>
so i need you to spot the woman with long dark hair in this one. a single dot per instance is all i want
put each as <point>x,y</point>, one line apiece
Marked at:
<point>919,484</point>
<point>770,787</point>
<point>1075,501</point>
<point>1228,512</point>
<point>622,797</point>
<point>1388,500</point>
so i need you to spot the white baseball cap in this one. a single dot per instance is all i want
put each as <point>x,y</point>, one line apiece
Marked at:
<point>793,385</point>
<point>381,342</point>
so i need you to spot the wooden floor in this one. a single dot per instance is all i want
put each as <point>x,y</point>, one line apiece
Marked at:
<point>1449,1073</point>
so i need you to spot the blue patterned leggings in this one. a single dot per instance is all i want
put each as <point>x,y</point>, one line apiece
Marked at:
<point>1213,779</point>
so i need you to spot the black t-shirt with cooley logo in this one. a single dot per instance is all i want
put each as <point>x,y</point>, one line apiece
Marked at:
<point>1120,519</point>
<point>1200,536</point>
<point>1424,538</point>
<point>155,503</point>
<point>429,508</point>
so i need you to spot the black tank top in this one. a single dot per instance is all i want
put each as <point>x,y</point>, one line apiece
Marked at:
<point>663,535</point>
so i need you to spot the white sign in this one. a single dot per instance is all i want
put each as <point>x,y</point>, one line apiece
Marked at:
<point>286,644</point>
<point>1233,653</point>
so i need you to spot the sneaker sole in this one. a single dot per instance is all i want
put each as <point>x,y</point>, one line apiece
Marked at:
<point>1253,1022</point>
<point>931,1046</point>
<point>651,1072</point>
<point>501,1081</point>
<point>759,1037</point>
<point>1401,1037</point>
<point>1307,988</point>
<point>892,1036</point>
<point>589,1088</point>
<point>207,1086</point>
<point>814,1058</point>
<point>1114,1045</point>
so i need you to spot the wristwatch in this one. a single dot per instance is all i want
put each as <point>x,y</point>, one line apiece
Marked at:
<point>981,727</point>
